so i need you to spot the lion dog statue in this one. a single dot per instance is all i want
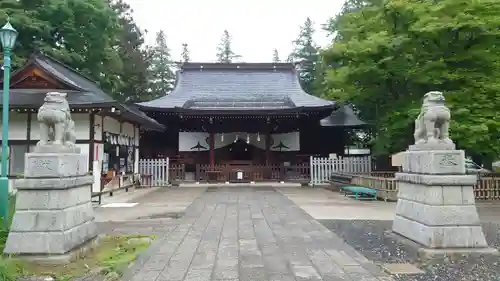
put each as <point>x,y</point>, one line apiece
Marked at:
<point>433,123</point>
<point>56,126</point>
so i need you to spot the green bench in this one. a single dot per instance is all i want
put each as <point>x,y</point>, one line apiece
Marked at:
<point>358,192</point>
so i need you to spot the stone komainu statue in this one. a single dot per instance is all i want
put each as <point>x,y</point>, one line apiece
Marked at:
<point>56,125</point>
<point>433,123</point>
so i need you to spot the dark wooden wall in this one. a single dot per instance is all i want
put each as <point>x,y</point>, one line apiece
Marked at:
<point>317,140</point>
<point>314,140</point>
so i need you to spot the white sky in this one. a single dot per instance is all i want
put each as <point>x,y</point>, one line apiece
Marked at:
<point>257,26</point>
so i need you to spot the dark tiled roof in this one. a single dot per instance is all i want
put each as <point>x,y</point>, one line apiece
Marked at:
<point>84,92</point>
<point>133,112</point>
<point>73,79</point>
<point>236,87</point>
<point>343,117</point>
<point>34,98</point>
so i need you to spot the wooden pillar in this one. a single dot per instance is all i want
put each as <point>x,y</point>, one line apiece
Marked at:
<point>212,153</point>
<point>28,130</point>
<point>268,147</point>
<point>91,140</point>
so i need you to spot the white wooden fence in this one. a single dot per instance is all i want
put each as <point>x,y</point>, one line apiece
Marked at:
<point>154,172</point>
<point>323,167</point>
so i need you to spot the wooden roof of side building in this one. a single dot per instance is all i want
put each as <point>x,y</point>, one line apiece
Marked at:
<point>42,74</point>
<point>343,117</point>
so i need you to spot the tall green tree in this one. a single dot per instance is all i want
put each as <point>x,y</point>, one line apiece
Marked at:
<point>163,76</point>
<point>225,53</point>
<point>306,54</point>
<point>388,54</point>
<point>185,53</point>
<point>276,57</point>
<point>135,59</point>
<point>82,34</point>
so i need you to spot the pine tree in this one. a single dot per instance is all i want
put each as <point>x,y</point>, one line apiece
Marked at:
<point>161,71</point>
<point>276,57</point>
<point>225,53</point>
<point>185,53</point>
<point>135,59</point>
<point>306,54</point>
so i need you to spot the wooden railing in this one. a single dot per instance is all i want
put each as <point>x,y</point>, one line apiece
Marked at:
<point>487,187</point>
<point>112,184</point>
<point>162,171</point>
<point>229,172</point>
<point>382,174</point>
<point>255,173</point>
<point>323,167</point>
<point>160,177</point>
<point>387,188</point>
<point>176,173</point>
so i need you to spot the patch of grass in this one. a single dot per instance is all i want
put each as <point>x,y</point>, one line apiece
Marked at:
<point>4,229</point>
<point>10,269</point>
<point>112,255</point>
<point>117,258</point>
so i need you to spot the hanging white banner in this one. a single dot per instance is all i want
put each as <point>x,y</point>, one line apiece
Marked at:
<point>199,141</point>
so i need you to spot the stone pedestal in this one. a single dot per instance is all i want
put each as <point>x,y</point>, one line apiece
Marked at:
<point>54,213</point>
<point>436,206</point>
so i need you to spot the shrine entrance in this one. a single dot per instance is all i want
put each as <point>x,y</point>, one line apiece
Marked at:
<point>241,151</point>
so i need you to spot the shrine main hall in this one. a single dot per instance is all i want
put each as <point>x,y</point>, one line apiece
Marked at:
<point>244,116</point>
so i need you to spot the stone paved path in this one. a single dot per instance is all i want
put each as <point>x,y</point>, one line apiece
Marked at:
<point>250,234</point>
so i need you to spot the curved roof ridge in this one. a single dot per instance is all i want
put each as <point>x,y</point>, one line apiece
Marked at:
<point>237,66</point>
<point>177,87</point>
<point>41,55</point>
<point>297,82</point>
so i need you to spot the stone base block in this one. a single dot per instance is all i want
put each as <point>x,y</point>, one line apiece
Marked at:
<point>53,183</point>
<point>439,145</point>
<point>430,255</point>
<point>436,195</point>
<point>438,237</point>
<point>56,148</point>
<point>50,243</point>
<point>444,215</point>
<point>55,199</point>
<point>55,165</point>
<point>56,259</point>
<point>434,162</point>
<point>447,180</point>
<point>454,254</point>
<point>52,220</point>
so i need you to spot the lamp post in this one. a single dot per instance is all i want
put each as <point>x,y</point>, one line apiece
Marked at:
<point>8,36</point>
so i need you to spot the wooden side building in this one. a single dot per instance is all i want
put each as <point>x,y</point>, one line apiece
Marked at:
<point>107,131</point>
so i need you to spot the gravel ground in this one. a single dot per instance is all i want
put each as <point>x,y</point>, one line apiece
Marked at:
<point>375,241</point>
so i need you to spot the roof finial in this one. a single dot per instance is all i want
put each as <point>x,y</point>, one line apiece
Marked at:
<point>8,17</point>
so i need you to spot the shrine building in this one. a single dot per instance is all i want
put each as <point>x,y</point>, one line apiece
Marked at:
<point>244,120</point>
<point>107,131</point>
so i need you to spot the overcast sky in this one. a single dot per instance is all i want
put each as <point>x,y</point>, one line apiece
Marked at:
<point>257,26</point>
